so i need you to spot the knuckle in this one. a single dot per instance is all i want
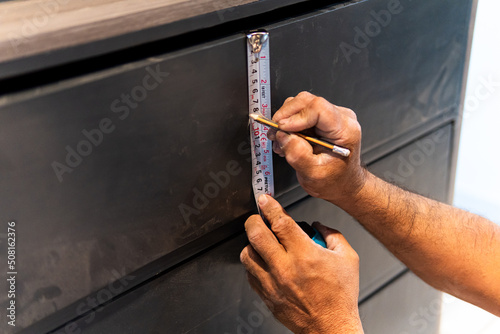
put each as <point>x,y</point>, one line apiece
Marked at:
<point>276,148</point>
<point>254,237</point>
<point>356,129</point>
<point>251,221</point>
<point>296,158</point>
<point>356,126</point>
<point>351,130</point>
<point>244,255</point>
<point>283,274</point>
<point>282,224</point>
<point>318,103</point>
<point>352,114</point>
<point>292,158</point>
<point>353,256</point>
<point>304,94</point>
<point>356,256</point>
<point>348,112</point>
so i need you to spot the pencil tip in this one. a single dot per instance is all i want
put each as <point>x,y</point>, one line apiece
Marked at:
<point>254,116</point>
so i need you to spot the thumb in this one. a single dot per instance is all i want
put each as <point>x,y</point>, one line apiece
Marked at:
<point>333,238</point>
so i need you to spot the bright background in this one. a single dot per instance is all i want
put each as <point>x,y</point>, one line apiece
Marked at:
<point>477,186</point>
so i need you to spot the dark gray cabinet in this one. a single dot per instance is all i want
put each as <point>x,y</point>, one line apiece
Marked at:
<point>214,284</point>
<point>130,182</point>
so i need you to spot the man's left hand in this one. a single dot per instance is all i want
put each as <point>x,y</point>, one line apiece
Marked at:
<point>308,288</point>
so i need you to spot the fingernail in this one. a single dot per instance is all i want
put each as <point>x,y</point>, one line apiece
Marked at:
<point>284,121</point>
<point>262,200</point>
<point>283,138</point>
<point>316,224</point>
<point>271,134</point>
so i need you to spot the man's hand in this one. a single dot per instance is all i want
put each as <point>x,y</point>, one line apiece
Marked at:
<point>320,172</point>
<point>450,249</point>
<point>308,288</point>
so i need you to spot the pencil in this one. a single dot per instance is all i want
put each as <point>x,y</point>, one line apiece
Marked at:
<point>335,148</point>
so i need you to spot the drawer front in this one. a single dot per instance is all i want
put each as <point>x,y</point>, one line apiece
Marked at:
<point>108,173</point>
<point>207,295</point>
<point>397,64</point>
<point>210,293</point>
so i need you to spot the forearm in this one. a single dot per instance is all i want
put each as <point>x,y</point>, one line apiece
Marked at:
<point>452,250</point>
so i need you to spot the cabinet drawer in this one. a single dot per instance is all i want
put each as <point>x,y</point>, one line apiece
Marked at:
<point>397,72</point>
<point>150,157</point>
<point>210,293</point>
<point>110,172</point>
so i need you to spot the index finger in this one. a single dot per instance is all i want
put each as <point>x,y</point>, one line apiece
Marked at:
<point>263,240</point>
<point>293,105</point>
<point>289,234</point>
<point>309,111</point>
<point>326,118</point>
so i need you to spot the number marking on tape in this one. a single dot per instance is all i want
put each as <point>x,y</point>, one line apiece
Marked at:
<point>259,101</point>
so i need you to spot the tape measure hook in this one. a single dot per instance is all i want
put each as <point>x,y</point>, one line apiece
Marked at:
<point>257,40</point>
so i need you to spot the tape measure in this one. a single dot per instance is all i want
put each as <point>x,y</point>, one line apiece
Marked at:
<point>259,101</point>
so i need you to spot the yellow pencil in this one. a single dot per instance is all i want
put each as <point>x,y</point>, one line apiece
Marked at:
<point>335,148</point>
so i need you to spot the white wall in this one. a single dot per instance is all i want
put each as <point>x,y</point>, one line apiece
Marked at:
<point>477,186</point>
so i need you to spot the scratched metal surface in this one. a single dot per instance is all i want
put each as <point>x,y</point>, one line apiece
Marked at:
<point>117,213</point>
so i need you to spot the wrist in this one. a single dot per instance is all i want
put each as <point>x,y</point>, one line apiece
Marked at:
<point>349,324</point>
<point>351,189</point>
<point>363,202</point>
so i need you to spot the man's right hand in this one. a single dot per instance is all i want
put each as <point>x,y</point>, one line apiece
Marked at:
<point>452,250</point>
<point>320,172</point>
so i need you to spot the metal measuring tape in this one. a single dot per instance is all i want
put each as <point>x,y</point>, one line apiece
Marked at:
<point>259,101</point>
